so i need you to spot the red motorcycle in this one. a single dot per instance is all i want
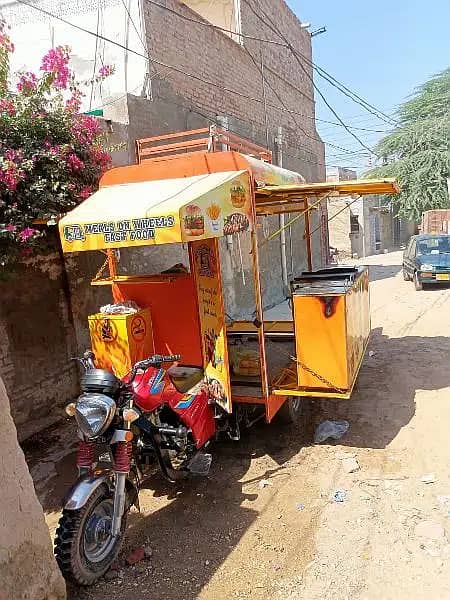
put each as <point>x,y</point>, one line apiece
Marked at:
<point>153,417</point>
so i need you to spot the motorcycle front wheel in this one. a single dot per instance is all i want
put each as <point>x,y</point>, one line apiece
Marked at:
<point>84,546</point>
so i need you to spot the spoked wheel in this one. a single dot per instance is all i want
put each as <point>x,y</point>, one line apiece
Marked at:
<point>292,411</point>
<point>406,276</point>
<point>84,546</point>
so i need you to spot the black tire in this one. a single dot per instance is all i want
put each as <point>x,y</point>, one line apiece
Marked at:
<point>70,542</point>
<point>417,283</point>
<point>293,410</point>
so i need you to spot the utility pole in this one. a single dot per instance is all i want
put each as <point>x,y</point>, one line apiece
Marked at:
<point>279,162</point>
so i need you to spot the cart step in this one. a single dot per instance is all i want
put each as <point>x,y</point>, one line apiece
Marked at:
<point>200,464</point>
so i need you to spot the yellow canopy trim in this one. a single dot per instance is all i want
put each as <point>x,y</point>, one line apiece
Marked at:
<point>160,212</point>
<point>292,197</point>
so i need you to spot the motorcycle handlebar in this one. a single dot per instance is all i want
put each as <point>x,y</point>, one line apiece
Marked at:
<point>156,359</point>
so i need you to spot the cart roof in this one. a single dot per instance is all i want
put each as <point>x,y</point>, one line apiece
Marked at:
<point>292,197</point>
<point>160,212</point>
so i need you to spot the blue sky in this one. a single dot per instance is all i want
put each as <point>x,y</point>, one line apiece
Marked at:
<point>382,50</point>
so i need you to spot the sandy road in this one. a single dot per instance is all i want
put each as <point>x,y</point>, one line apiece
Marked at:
<point>230,537</point>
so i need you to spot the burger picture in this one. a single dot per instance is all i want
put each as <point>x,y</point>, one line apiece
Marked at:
<point>238,196</point>
<point>194,222</point>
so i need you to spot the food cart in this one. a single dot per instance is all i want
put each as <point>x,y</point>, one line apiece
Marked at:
<point>194,193</point>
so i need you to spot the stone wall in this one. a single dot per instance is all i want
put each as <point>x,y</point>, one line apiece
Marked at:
<point>42,326</point>
<point>28,570</point>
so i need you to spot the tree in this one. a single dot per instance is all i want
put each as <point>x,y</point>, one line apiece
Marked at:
<point>417,151</point>
<point>50,154</point>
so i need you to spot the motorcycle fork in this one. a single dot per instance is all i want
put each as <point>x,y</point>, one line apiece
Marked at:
<point>122,465</point>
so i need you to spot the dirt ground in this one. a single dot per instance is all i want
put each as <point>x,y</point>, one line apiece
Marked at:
<point>233,535</point>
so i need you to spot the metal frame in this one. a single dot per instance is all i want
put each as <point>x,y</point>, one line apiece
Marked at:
<point>211,139</point>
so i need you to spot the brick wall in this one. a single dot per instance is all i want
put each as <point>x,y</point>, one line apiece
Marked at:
<point>211,55</point>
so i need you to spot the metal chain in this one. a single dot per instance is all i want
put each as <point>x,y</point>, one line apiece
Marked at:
<point>308,369</point>
<point>317,376</point>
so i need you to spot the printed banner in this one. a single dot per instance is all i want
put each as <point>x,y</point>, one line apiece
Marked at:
<point>206,268</point>
<point>225,211</point>
<point>162,229</point>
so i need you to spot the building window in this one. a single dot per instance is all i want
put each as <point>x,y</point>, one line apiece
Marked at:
<point>354,224</point>
<point>225,14</point>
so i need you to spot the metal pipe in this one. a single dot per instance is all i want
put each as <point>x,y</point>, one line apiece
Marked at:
<point>119,502</point>
<point>308,236</point>
<point>282,220</point>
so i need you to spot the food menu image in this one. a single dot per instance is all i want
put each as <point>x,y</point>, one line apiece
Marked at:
<point>212,320</point>
<point>227,212</point>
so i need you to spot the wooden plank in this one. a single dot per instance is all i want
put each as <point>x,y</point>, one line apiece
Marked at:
<point>171,136</point>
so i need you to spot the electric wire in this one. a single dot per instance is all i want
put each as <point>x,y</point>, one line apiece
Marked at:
<point>320,71</point>
<point>271,25</point>
<point>168,66</point>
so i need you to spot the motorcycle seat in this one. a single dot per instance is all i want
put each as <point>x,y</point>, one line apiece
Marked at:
<point>185,378</point>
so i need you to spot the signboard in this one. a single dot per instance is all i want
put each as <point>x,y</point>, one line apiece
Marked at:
<point>225,211</point>
<point>206,268</point>
<point>115,234</point>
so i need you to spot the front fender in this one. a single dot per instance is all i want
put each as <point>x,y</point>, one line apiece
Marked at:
<point>83,489</point>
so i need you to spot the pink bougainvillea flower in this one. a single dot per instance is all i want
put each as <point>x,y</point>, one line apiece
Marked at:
<point>74,103</point>
<point>85,129</point>
<point>75,163</point>
<point>27,83</point>
<point>10,178</point>
<point>85,192</point>
<point>26,234</point>
<point>7,107</point>
<point>56,61</point>
<point>10,228</point>
<point>5,40</point>
<point>106,71</point>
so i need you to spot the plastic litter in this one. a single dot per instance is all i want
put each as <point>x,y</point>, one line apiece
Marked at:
<point>299,506</point>
<point>264,483</point>
<point>350,465</point>
<point>371,353</point>
<point>330,429</point>
<point>428,478</point>
<point>340,496</point>
<point>430,530</point>
<point>123,308</point>
<point>444,500</point>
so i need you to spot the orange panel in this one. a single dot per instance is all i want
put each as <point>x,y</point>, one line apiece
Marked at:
<point>174,310</point>
<point>321,341</point>
<point>173,167</point>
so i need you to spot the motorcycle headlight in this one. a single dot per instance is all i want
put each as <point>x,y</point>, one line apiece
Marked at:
<point>94,414</point>
<point>426,267</point>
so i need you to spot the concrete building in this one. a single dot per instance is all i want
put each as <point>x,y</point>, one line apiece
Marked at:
<point>179,65</point>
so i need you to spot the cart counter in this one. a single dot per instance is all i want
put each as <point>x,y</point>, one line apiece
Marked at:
<point>332,327</point>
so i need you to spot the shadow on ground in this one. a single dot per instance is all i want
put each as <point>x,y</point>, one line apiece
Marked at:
<point>192,526</point>
<point>383,401</point>
<point>378,272</point>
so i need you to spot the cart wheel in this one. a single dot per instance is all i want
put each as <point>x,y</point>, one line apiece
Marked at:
<point>292,410</point>
<point>406,276</point>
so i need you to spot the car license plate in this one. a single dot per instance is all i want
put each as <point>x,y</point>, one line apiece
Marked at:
<point>442,277</point>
